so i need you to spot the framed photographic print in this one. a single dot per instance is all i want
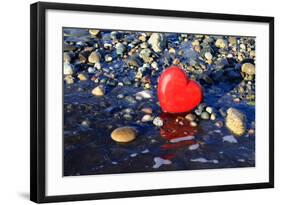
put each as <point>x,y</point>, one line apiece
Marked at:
<point>129,102</point>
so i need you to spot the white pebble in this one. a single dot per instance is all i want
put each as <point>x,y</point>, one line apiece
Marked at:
<point>158,122</point>
<point>146,94</point>
<point>147,118</point>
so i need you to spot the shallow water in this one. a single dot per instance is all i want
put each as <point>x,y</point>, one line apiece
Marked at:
<point>89,149</point>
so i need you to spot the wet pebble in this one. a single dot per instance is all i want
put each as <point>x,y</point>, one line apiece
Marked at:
<point>146,94</point>
<point>158,122</point>
<point>124,134</point>
<point>190,117</point>
<point>128,117</point>
<point>68,69</point>
<point>108,58</point>
<point>98,91</point>
<point>235,121</point>
<point>157,42</point>
<point>94,57</point>
<point>248,68</point>
<point>194,146</point>
<point>219,124</point>
<point>69,79</point>
<point>193,124</point>
<point>205,115</point>
<point>220,43</point>
<point>147,110</point>
<point>120,49</point>
<point>147,118</point>
<point>213,116</point>
<point>82,77</point>
<point>94,32</point>
<point>208,56</point>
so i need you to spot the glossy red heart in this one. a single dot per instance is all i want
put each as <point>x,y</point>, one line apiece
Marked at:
<point>176,92</point>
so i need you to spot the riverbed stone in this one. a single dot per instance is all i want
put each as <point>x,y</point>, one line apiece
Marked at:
<point>68,69</point>
<point>157,42</point>
<point>235,121</point>
<point>124,134</point>
<point>94,32</point>
<point>94,57</point>
<point>98,91</point>
<point>220,43</point>
<point>248,68</point>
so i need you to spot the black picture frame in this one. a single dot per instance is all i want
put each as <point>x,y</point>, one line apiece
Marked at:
<point>38,101</point>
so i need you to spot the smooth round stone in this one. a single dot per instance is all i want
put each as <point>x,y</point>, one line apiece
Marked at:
<point>124,134</point>
<point>86,123</point>
<point>154,65</point>
<point>127,117</point>
<point>248,68</point>
<point>205,116</point>
<point>82,77</point>
<point>91,70</point>
<point>66,57</point>
<point>108,58</point>
<point>208,56</point>
<point>235,121</point>
<point>209,110</point>
<point>120,49</point>
<point>147,118</point>
<point>193,124</point>
<point>120,96</point>
<point>68,69</point>
<point>219,124</point>
<point>190,117</point>
<point>94,57</point>
<point>243,46</point>
<point>69,79</point>
<point>157,42</point>
<point>236,100</point>
<point>251,132</point>
<point>220,43</point>
<point>158,122</point>
<point>147,110</point>
<point>213,116</point>
<point>98,91</point>
<point>94,32</point>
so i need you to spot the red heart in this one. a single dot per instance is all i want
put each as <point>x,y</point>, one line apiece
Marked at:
<point>176,92</point>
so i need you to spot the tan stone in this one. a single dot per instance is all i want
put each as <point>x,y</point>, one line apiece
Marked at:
<point>98,91</point>
<point>235,121</point>
<point>124,134</point>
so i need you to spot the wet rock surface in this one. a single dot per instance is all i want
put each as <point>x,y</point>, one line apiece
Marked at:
<point>125,75</point>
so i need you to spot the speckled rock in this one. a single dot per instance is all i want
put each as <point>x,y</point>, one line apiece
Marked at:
<point>157,42</point>
<point>235,121</point>
<point>124,134</point>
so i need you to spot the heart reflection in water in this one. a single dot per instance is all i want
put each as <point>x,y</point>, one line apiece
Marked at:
<point>178,133</point>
